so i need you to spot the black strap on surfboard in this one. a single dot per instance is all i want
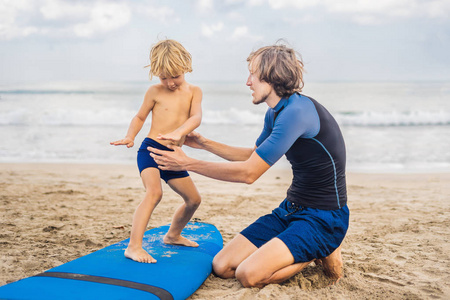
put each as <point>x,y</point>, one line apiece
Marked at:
<point>157,291</point>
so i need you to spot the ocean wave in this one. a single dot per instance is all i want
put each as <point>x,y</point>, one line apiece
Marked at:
<point>231,116</point>
<point>113,116</point>
<point>64,117</point>
<point>61,87</point>
<point>46,92</point>
<point>393,118</point>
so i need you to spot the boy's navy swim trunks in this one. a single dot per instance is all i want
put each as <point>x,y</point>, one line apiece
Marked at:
<point>144,160</point>
<point>309,233</point>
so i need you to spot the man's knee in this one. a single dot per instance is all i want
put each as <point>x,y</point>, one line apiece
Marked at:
<point>249,278</point>
<point>221,267</point>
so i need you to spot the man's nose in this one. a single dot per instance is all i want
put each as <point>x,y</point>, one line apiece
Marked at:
<point>249,81</point>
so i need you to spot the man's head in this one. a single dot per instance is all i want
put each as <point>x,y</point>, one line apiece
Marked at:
<point>279,66</point>
<point>168,58</point>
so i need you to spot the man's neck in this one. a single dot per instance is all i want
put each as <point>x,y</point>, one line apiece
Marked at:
<point>273,99</point>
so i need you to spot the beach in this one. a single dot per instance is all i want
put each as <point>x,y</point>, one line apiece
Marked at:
<point>396,247</point>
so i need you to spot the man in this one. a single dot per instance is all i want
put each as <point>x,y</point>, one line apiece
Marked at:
<point>311,222</point>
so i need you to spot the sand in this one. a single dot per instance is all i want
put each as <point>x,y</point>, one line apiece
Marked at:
<point>397,246</point>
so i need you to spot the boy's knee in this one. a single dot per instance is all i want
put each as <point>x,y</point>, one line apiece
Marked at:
<point>194,202</point>
<point>153,196</point>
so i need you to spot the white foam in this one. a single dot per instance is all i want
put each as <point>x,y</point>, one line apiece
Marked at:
<point>394,118</point>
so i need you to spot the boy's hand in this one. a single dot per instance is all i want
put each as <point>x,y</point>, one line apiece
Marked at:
<point>195,140</point>
<point>126,141</point>
<point>173,137</point>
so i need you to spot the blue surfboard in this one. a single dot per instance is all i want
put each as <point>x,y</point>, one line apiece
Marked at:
<point>107,274</point>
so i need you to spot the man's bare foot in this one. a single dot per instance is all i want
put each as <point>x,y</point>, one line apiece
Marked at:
<point>333,265</point>
<point>139,255</point>
<point>180,240</point>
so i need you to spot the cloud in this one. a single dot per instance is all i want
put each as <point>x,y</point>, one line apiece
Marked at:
<point>374,12</point>
<point>21,18</point>
<point>210,30</point>
<point>234,15</point>
<point>368,11</point>
<point>255,2</point>
<point>57,10</point>
<point>303,19</point>
<point>382,11</point>
<point>299,4</point>
<point>205,6</point>
<point>242,32</point>
<point>104,17</point>
<point>162,14</point>
<point>231,2</point>
<point>9,12</point>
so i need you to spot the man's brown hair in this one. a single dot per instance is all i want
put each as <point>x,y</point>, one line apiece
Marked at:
<point>279,66</point>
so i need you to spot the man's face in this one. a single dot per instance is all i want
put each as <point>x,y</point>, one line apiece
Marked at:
<point>261,90</point>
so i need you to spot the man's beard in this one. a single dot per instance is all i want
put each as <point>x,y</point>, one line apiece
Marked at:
<point>262,99</point>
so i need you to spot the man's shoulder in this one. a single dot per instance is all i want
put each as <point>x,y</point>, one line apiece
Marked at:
<point>299,102</point>
<point>298,98</point>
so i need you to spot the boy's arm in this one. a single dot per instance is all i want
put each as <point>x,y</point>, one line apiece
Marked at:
<point>194,120</point>
<point>138,120</point>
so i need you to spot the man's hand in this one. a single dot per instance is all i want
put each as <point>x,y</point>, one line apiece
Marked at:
<point>126,141</point>
<point>195,140</point>
<point>174,160</point>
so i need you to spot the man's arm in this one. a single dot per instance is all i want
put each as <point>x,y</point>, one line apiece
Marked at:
<point>247,171</point>
<point>195,140</point>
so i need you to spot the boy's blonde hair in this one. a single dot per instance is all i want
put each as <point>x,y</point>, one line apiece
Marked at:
<point>170,58</point>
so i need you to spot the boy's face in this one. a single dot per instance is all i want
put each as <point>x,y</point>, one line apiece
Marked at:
<point>171,83</point>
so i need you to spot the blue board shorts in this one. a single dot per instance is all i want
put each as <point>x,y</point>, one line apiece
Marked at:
<point>144,160</point>
<point>309,233</point>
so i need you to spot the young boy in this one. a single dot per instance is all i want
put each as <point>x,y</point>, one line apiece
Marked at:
<point>176,111</point>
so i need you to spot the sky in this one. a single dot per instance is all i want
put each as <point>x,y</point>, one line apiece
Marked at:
<point>345,40</point>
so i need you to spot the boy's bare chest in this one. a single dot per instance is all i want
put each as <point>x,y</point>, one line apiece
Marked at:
<point>180,104</point>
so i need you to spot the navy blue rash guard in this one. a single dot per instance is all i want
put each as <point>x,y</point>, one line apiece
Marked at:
<point>306,132</point>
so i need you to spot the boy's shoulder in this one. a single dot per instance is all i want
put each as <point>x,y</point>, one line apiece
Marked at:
<point>194,88</point>
<point>159,87</point>
<point>154,91</point>
<point>155,87</point>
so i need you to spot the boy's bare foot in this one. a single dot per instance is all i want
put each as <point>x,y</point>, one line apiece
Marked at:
<point>139,255</point>
<point>179,240</point>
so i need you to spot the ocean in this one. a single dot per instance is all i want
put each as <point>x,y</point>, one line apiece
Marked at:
<point>388,127</point>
